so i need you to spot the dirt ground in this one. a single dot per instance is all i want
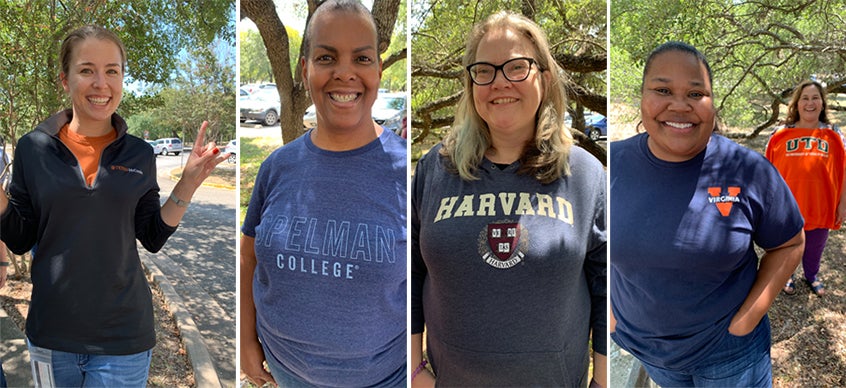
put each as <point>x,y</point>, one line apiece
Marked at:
<point>170,366</point>
<point>809,340</point>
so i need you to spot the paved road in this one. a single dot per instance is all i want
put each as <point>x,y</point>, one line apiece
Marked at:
<point>199,260</point>
<point>254,129</point>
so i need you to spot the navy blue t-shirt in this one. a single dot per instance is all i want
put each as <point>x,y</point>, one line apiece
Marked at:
<point>682,252</point>
<point>330,243</point>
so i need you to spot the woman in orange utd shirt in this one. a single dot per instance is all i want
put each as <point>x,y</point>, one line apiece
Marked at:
<point>808,152</point>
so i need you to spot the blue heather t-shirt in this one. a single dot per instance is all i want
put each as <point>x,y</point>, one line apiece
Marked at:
<point>682,251</point>
<point>330,279</point>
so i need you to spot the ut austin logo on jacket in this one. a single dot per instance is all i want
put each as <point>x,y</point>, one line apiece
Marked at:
<point>503,244</point>
<point>723,202</point>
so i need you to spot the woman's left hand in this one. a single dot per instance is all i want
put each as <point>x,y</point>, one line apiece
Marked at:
<point>202,160</point>
<point>841,212</point>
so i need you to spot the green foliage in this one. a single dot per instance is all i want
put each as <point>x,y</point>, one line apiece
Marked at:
<point>625,76</point>
<point>147,126</point>
<point>255,67</point>
<point>203,89</point>
<point>394,77</point>
<point>132,104</point>
<point>756,50</point>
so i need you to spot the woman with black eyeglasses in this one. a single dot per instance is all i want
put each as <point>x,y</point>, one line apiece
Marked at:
<point>508,228</point>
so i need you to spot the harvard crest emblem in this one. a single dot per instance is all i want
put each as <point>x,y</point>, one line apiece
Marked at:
<point>503,244</point>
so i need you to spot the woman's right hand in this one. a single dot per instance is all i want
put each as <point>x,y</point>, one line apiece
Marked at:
<point>252,363</point>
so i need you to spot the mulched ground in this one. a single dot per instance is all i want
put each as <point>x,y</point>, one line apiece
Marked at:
<point>169,367</point>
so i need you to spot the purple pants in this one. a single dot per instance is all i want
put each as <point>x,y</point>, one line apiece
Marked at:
<point>815,240</point>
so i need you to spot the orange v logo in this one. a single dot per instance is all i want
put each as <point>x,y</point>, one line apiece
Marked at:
<point>723,203</point>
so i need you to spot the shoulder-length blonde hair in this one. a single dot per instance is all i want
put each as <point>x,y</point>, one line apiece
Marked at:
<point>793,108</point>
<point>545,158</point>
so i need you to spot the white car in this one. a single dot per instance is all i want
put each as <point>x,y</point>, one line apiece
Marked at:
<point>157,148</point>
<point>310,118</point>
<point>262,105</point>
<point>389,111</point>
<point>232,149</point>
<point>170,145</point>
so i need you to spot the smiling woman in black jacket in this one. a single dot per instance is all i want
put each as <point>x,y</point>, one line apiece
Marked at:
<point>83,190</point>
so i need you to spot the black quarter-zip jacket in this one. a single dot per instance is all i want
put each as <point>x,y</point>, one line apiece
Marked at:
<point>89,292</point>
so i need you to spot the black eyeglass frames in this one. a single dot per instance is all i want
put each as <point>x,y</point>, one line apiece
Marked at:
<point>514,70</point>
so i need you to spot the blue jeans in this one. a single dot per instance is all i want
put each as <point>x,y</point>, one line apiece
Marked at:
<point>737,362</point>
<point>284,378</point>
<point>53,368</point>
<point>2,376</point>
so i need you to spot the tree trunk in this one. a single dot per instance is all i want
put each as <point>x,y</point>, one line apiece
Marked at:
<point>590,146</point>
<point>776,106</point>
<point>292,95</point>
<point>385,13</point>
<point>528,9</point>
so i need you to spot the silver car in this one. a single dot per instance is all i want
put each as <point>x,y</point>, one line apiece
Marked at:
<point>157,148</point>
<point>170,145</point>
<point>232,149</point>
<point>262,105</point>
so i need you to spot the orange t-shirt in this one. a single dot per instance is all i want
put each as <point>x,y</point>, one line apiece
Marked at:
<point>87,150</point>
<point>812,162</point>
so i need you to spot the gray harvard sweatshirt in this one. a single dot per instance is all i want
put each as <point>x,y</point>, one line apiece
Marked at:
<point>508,274</point>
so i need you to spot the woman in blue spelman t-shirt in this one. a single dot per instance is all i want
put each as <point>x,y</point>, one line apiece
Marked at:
<point>323,255</point>
<point>687,207</point>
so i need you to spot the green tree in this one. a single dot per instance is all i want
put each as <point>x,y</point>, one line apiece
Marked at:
<point>758,50</point>
<point>394,76</point>
<point>255,67</point>
<point>203,89</point>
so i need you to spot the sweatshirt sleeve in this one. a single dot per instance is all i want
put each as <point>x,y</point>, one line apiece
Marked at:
<point>19,223</point>
<point>596,272</point>
<point>150,228</point>
<point>418,266</point>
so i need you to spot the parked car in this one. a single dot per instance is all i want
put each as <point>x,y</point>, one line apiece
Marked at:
<point>310,117</point>
<point>243,95</point>
<point>589,117</point>
<point>250,88</point>
<point>262,105</point>
<point>157,148</point>
<point>597,128</point>
<point>170,145</point>
<point>388,111</point>
<point>232,149</point>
